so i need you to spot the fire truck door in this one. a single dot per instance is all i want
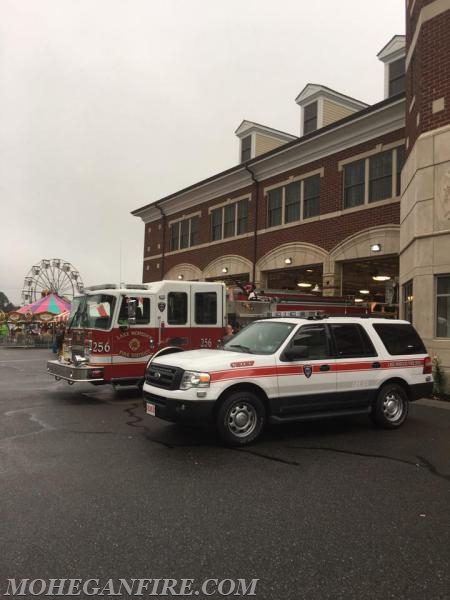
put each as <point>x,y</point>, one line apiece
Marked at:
<point>132,343</point>
<point>207,314</point>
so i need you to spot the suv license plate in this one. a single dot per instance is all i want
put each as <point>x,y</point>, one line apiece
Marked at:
<point>151,409</point>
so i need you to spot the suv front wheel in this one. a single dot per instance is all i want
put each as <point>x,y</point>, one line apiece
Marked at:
<point>240,418</point>
<point>390,408</point>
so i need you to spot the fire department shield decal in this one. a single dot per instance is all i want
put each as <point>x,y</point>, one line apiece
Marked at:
<point>161,306</point>
<point>307,371</point>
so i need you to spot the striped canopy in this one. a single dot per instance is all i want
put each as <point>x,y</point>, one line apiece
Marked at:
<point>48,304</point>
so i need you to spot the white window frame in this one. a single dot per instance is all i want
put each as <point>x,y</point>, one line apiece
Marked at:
<point>222,207</point>
<point>178,223</point>
<point>366,156</point>
<point>300,179</point>
<point>440,276</point>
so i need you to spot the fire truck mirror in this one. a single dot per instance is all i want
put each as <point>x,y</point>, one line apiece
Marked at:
<point>131,312</point>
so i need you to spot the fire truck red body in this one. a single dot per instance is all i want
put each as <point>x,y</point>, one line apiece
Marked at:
<point>113,331</point>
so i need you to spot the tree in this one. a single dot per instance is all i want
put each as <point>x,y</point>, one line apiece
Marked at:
<point>5,304</point>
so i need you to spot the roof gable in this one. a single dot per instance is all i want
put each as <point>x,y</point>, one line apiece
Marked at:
<point>313,91</point>
<point>394,49</point>
<point>248,127</point>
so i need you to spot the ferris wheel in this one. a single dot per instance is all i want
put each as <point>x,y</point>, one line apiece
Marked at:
<point>55,275</point>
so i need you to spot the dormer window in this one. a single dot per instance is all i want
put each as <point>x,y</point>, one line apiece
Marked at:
<point>246,148</point>
<point>310,118</point>
<point>393,57</point>
<point>256,139</point>
<point>321,106</point>
<point>397,77</point>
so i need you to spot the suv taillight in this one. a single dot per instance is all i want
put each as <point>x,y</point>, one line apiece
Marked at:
<point>427,366</point>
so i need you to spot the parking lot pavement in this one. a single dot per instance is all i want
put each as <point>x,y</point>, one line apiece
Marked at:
<point>93,488</point>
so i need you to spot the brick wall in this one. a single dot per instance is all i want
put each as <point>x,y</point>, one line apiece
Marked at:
<point>428,73</point>
<point>325,234</point>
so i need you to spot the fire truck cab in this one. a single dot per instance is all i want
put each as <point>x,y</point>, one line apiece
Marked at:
<point>114,330</point>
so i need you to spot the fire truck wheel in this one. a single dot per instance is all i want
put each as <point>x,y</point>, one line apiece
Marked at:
<point>240,418</point>
<point>390,408</point>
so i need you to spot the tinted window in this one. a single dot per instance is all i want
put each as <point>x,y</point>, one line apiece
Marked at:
<point>314,339</point>
<point>351,340</point>
<point>206,308</point>
<point>400,338</point>
<point>177,308</point>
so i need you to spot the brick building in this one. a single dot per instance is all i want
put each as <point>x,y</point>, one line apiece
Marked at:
<point>357,205</point>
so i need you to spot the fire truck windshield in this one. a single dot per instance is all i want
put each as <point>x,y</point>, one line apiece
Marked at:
<point>92,311</point>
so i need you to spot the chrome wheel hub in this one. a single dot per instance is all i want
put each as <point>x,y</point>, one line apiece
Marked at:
<point>242,419</point>
<point>393,406</point>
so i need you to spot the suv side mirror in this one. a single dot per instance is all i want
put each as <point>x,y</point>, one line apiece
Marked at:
<point>296,352</point>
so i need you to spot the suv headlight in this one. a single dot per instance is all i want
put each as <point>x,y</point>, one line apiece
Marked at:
<point>194,379</point>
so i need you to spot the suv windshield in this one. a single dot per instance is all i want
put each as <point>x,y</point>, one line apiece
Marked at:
<point>92,311</point>
<point>261,337</point>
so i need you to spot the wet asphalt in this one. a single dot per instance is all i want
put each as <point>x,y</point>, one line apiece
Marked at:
<point>93,488</point>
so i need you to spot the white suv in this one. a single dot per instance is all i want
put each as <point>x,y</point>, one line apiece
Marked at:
<point>284,370</point>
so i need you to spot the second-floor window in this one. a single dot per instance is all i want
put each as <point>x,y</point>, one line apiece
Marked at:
<point>293,201</point>
<point>380,176</point>
<point>184,233</point>
<point>229,220</point>
<point>311,196</point>
<point>374,178</point>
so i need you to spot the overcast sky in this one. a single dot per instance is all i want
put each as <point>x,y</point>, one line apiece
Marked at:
<point>108,105</point>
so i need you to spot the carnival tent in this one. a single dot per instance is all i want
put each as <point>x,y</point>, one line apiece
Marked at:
<point>62,317</point>
<point>52,304</point>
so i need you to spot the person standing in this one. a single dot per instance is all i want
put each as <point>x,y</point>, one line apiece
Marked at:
<point>229,333</point>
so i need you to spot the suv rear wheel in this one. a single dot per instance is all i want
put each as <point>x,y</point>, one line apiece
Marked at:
<point>240,418</point>
<point>390,408</point>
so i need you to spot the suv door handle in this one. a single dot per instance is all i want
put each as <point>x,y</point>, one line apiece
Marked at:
<point>376,365</point>
<point>324,367</point>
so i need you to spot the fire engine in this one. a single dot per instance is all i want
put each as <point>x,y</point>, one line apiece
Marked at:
<point>113,330</point>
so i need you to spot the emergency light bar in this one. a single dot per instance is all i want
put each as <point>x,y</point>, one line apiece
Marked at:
<point>114,286</point>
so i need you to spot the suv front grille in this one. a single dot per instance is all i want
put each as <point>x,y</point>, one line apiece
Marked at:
<point>164,377</point>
